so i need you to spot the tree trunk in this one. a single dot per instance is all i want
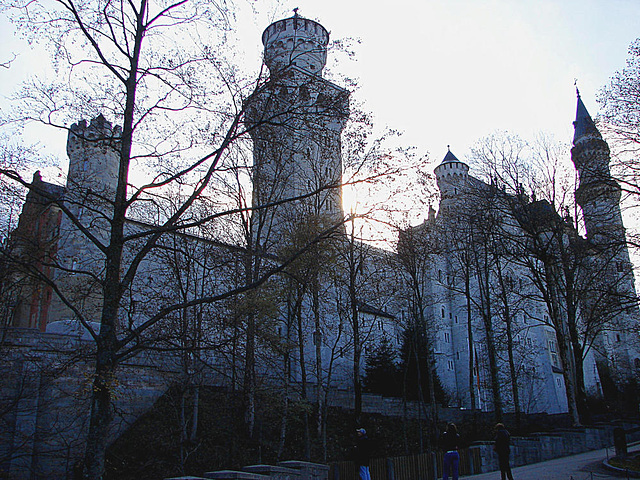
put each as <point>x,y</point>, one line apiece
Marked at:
<point>512,369</point>
<point>569,378</point>
<point>582,404</point>
<point>249,386</point>
<point>472,387</point>
<point>508,323</point>
<point>318,342</point>
<point>485,293</point>
<point>100,419</point>
<point>556,312</point>
<point>303,369</point>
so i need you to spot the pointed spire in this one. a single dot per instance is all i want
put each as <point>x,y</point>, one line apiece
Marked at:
<point>449,157</point>
<point>583,124</point>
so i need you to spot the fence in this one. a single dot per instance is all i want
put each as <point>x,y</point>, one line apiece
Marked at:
<point>426,466</point>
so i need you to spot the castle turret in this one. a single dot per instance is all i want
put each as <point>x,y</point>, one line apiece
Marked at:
<point>598,193</point>
<point>94,160</point>
<point>295,121</point>
<point>295,41</point>
<point>452,176</point>
<point>93,152</point>
<point>612,304</point>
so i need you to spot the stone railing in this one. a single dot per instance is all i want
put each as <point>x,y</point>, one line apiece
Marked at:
<point>289,470</point>
<point>540,447</point>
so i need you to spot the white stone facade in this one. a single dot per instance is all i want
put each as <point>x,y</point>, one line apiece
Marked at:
<point>297,155</point>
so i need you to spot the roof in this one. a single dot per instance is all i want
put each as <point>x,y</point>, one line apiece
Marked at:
<point>449,157</point>
<point>371,310</point>
<point>583,125</point>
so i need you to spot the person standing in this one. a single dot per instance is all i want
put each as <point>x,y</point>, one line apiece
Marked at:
<point>362,453</point>
<point>450,442</point>
<point>502,448</point>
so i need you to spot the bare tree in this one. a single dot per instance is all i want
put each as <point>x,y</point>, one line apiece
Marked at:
<point>558,261</point>
<point>136,63</point>
<point>416,249</point>
<point>620,100</point>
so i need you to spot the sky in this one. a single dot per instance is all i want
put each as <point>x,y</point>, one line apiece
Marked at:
<point>445,72</point>
<point>450,72</point>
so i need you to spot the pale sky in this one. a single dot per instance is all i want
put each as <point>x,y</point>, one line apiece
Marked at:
<point>452,71</point>
<point>448,71</point>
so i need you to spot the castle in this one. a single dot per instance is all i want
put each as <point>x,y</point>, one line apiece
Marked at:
<point>496,338</point>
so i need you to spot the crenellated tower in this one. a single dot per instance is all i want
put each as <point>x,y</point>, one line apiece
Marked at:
<point>94,160</point>
<point>296,120</point>
<point>295,41</point>
<point>452,177</point>
<point>612,303</point>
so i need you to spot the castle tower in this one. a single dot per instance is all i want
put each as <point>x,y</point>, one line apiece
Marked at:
<point>614,299</point>
<point>295,41</point>
<point>93,156</point>
<point>91,184</point>
<point>452,177</point>
<point>295,121</point>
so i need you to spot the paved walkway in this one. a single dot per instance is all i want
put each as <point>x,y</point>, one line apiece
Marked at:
<point>584,466</point>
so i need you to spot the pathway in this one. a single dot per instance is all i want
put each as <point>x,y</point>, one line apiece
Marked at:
<point>584,466</point>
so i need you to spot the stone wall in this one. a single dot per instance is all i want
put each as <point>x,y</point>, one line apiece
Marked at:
<point>44,401</point>
<point>547,446</point>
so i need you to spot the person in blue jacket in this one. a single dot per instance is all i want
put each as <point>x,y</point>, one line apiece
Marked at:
<point>362,453</point>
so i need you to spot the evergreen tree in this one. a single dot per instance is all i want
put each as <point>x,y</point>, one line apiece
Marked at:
<point>382,370</point>
<point>415,367</point>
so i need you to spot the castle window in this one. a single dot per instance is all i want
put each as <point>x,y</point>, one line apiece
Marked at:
<point>450,364</point>
<point>447,337</point>
<point>618,337</point>
<point>620,266</point>
<point>442,311</point>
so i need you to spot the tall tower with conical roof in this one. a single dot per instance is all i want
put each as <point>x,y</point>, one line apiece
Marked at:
<point>613,303</point>
<point>296,120</point>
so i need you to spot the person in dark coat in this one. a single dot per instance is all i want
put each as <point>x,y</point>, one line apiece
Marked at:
<point>502,448</point>
<point>362,454</point>
<point>450,442</point>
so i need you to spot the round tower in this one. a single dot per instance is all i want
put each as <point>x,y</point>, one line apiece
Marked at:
<point>598,194</point>
<point>614,298</point>
<point>295,41</point>
<point>452,176</point>
<point>296,121</point>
